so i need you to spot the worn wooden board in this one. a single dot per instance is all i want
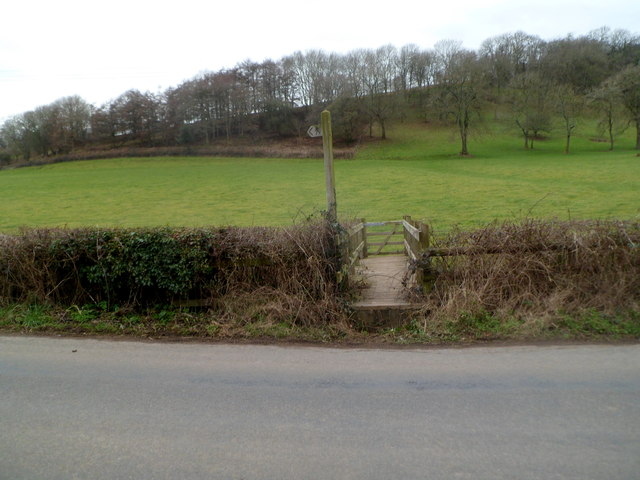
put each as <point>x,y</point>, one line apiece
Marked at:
<point>383,277</point>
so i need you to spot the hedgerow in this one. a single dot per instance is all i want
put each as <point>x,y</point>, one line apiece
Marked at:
<point>537,274</point>
<point>290,270</point>
<point>528,279</point>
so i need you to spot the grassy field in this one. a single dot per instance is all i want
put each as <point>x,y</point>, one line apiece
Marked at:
<point>416,172</point>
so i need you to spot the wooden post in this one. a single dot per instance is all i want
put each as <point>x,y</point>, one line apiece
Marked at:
<point>406,236</point>
<point>427,276</point>
<point>365,252</point>
<point>424,236</point>
<point>327,146</point>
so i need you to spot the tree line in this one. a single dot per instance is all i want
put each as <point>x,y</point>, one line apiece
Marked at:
<point>536,81</point>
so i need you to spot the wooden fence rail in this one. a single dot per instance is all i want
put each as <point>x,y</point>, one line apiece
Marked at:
<point>356,243</point>
<point>352,243</point>
<point>395,232</point>
<point>416,243</point>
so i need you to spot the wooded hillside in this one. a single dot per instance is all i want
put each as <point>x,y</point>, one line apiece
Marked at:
<point>534,80</point>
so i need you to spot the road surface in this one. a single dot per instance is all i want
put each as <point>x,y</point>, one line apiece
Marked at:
<point>95,409</point>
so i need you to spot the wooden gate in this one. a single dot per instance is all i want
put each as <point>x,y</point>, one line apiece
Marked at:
<point>396,237</point>
<point>386,236</point>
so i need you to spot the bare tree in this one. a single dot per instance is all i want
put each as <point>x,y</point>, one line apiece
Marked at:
<point>136,115</point>
<point>355,72</point>
<point>15,137</point>
<point>423,71</point>
<point>579,62</point>
<point>74,120</point>
<point>623,47</point>
<point>628,83</point>
<point>568,105</point>
<point>508,55</point>
<point>380,102</point>
<point>459,87</point>
<point>373,83</point>
<point>606,101</point>
<point>528,98</point>
<point>405,61</point>
<point>310,70</point>
<point>42,130</point>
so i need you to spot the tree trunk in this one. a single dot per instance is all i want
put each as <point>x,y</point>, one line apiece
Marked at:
<point>638,134</point>
<point>569,129</point>
<point>463,140</point>
<point>463,125</point>
<point>610,135</point>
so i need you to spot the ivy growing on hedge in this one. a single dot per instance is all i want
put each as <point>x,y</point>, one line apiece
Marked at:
<point>137,266</point>
<point>143,267</point>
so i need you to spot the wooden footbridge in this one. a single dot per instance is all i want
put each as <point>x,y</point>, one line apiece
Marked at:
<point>382,258</point>
<point>389,268</point>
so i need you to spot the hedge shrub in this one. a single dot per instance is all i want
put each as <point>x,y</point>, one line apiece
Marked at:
<point>149,266</point>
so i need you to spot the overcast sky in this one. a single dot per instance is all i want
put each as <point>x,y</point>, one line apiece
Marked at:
<point>55,48</point>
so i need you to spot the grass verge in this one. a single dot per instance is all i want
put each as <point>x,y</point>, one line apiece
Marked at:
<point>527,281</point>
<point>467,328</point>
<point>161,323</point>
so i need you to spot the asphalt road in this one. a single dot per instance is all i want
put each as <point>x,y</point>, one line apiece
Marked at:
<point>91,409</point>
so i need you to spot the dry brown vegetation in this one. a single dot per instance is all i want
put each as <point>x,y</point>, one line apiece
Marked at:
<point>275,148</point>
<point>279,274</point>
<point>527,280</point>
<point>534,273</point>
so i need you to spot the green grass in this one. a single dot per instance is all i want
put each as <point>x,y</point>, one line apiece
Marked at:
<point>467,329</point>
<point>160,191</point>
<point>416,172</point>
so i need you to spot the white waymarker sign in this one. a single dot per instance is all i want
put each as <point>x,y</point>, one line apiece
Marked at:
<point>314,131</point>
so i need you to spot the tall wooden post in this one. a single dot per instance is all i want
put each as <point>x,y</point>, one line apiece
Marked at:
<point>406,235</point>
<point>365,252</point>
<point>327,146</point>
<point>426,277</point>
<point>424,236</point>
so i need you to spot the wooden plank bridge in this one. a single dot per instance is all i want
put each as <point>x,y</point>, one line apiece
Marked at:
<point>378,255</point>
